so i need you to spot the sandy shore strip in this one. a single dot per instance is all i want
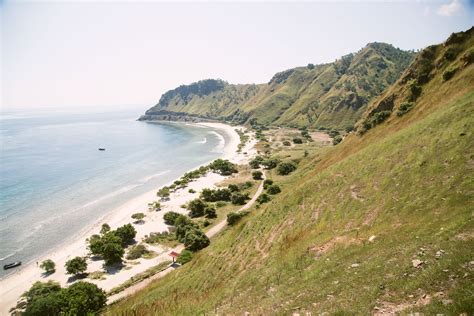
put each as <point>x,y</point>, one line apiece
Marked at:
<point>14,285</point>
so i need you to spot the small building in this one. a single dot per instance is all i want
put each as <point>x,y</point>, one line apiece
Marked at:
<point>174,255</point>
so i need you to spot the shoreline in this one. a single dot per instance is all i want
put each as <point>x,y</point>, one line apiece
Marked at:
<point>13,286</point>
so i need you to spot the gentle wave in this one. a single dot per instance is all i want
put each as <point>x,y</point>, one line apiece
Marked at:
<point>202,141</point>
<point>221,145</point>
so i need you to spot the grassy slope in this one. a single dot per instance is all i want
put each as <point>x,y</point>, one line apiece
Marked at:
<point>407,181</point>
<point>319,97</point>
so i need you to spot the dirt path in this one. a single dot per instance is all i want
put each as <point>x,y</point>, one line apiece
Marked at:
<point>210,233</point>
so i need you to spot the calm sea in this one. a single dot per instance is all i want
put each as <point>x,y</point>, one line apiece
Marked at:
<point>54,181</point>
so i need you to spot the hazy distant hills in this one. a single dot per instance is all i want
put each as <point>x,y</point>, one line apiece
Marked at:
<point>330,95</point>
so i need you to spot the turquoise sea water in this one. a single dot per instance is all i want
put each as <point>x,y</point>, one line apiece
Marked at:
<point>54,181</point>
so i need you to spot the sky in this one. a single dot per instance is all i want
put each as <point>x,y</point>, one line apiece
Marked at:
<point>88,54</point>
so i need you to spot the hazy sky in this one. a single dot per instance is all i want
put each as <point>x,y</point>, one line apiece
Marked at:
<point>93,53</point>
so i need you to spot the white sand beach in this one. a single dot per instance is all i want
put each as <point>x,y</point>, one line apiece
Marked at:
<point>14,285</point>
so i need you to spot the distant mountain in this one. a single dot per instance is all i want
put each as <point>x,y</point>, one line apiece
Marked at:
<point>330,95</point>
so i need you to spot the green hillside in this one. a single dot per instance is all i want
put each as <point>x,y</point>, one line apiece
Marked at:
<point>324,96</point>
<point>381,222</point>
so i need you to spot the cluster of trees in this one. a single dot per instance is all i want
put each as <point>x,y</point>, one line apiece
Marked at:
<point>234,217</point>
<point>187,231</point>
<point>199,208</point>
<point>110,244</point>
<point>223,167</point>
<point>305,133</point>
<point>210,195</point>
<point>164,192</point>
<point>81,298</point>
<point>283,168</point>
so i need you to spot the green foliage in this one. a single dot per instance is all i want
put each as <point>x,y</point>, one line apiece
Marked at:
<point>210,195</point>
<point>286,168</point>
<point>48,266</point>
<point>415,90</point>
<point>257,175</point>
<point>449,73</point>
<point>184,257</point>
<point>76,265</point>
<point>297,140</point>
<point>170,217</point>
<point>233,187</point>
<point>104,229</point>
<point>239,198</point>
<point>159,237</point>
<point>138,217</point>
<point>195,239</point>
<point>111,248</point>
<point>263,198</point>
<point>126,233</point>
<point>336,140</point>
<point>192,191</point>
<point>210,211</point>
<point>196,208</point>
<point>163,193</point>
<point>43,299</point>
<point>271,163</point>
<point>234,217</point>
<point>404,108</point>
<point>154,206</point>
<point>267,183</point>
<point>183,225</point>
<point>223,167</point>
<point>310,66</point>
<point>273,189</point>
<point>137,251</point>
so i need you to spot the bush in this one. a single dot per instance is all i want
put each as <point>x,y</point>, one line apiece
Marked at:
<point>105,228</point>
<point>48,266</point>
<point>183,224</point>
<point>271,163</point>
<point>220,204</point>
<point>286,168</point>
<point>233,218</point>
<point>246,185</point>
<point>209,195</point>
<point>449,73</point>
<point>210,212</point>
<point>404,108</point>
<point>273,189</point>
<point>192,191</point>
<point>415,90</point>
<point>184,257</point>
<point>379,117</point>
<point>233,188</point>
<point>136,252</point>
<point>223,167</point>
<point>255,163</point>
<point>43,299</point>
<point>267,183</point>
<point>263,198</point>
<point>297,140</point>
<point>239,198</point>
<point>126,233</point>
<point>286,143</point>
<point>154,206</point>
<point>155,237</point>
<point>163,193</point>
<point>257,175</point>
<point>195,240</point>
<point>76,266</point>
<point>336,140</point>
<point>170,217</point>
<point>111,248</point>
<point>82,298</point>
<point>196,208</point>
<point>95,245</point>
<point>138,217</point>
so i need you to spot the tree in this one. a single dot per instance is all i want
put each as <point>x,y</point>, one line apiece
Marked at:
<point>263,198</point>
<point>271,162</point>
<point>297,140</point>
<point>196,208</point>
<point>336,140</point>
<point>43,299</point>
<point>105,228</point>
<point>183,224</point>
<point>233,187</point>
<point>170,217</point>
<point>223,167</point>
<point>210,212</point>
<point>195,240</point>
<point>126,233</point>
<point>138,217</point>
<point>83,298</point>
<point>112,249</point>
<point>233,218</point>
<point>286,168</point>
<point>255,163</point>
<point>239,198</point>
<point>48,266</point>
<point>310,66</point>
<point>267,183</point>
<point>273,189</point>
<point>154,206</point>
<point>257,175</point>
<point>286,143</point>
<point>76,265</point>
<point>95,245</point>
<point>41,289</point>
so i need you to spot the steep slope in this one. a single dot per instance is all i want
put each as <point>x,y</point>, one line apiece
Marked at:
<point>329,96</point>
<point>345,233</point>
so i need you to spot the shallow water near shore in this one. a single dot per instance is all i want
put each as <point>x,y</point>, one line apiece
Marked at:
<point>55,181</point>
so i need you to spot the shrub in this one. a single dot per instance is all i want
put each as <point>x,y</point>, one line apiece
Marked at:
<point>310,66</point>
<point>138,217</point>
<point>246,185</point>
<point>415,90</point>
<point>286,168</point>
<point>136,252</point>
<point>111,248</point>
<point>255,163</point>
<point>163,193</point>
<point>271,163</point>
<point>183,224</point>
<point>195,240</point>
<point>273,189</point>
<point>404,108</point>
<point>154,206</point>
<point>82,298</point>
<point>286,143</point>
<point>104,229</point>
<point>192,191</point>
<point>220,204</point>
<point>209,195</point>
<point>449,73</point>
<point>336,140</point>
<point>239,198</point>
<point>297,140</point>
<point>170,217</point>
<point>233,218</point>
<point>223,167</point>
<point>155,237</point>
<point>95,245</point>
<point>48,266</point>
<point>184,257</point>
<point>76,266</point>
<point>267,183</point>
<point>233,188</point>
<point>263,198</point>
<point>210,212</point>
<point>379,117</point>
<point>43,299</point>
<point>196,208</point>
<point>257,175</point>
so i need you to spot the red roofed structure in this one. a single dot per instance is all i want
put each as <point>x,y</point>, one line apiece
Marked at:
<point>173,255</point>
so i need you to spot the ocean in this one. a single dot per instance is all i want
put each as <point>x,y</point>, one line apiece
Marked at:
<point>54,181</point>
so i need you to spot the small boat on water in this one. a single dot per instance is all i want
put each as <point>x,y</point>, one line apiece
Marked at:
<point>101,149</point>
<point>12,265</point>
